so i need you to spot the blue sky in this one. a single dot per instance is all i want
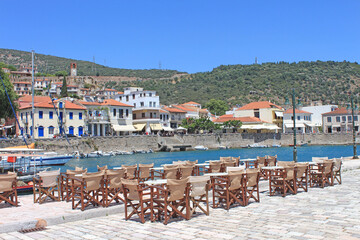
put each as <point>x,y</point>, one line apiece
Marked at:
<point>189,36</point>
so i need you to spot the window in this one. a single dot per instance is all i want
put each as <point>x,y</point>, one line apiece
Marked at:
<point>143,115</point>
<point>328,119</point>
<point>41,131</point>
<point>349,118</point>
<point>343,118</point>
<point>134,116</point>
<point>60,104</point>
<point>337,119</point>
<point>127,112</point>
<point>127,98</point>
<point>142,104</point>
<point>154,115</point>
<point>140,94</point>
<point>256,113</point>
<point>51,115</point>
<point>71,130</point>
<point>161,117</point>
<point>134,105</point>
<point>81,131</point>
<point>121,113</point>
<point>151,115</point>
<point>133,96</point>
<point>150,94</point>
<point>61,115</point>
<point>71,115</point>
<point>51,130</point>
<point>292,117</point>
<point>167,116</point>
<point>41,114</point>
<point>80,115</point>
<point>355,118</point>
<point>114,112</point>
<point>154,104</point>
<point>21,116</point>
<point>298,117</point>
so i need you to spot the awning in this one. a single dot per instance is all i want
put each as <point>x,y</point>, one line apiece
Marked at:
<point>168,129</point>
<point>297,125</point>
<point>139,126</point>
<point>252,126</point>
<point>155,126</point>
<point>123,128</point>
<point>272,127</point>
<point>7,127</point>
<point>279,114</point>
<point>181,128</point>
<point>310,124</point>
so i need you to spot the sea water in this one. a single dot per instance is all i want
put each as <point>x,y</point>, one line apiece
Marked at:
<point>304,153</point>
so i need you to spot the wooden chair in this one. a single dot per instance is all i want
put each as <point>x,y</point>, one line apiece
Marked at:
<point>271,160</point>
<point>91,188</point>
<point>237,161</point>
<point>113,186</point>
<point>199,188</point>
<point>8,193</point>
<point>65,182</point>
<point>131,171</point>
<point>319,159</point>
<point>226,164</point>
<point>229,190</point>
<point>135,196</point>
<point>186,171</point>
<point>171,172</point>
<point>102,168</point>
<point>240,169</point>
<point>214,167</point>
<point>46,186</point>
<point>144,172</point>
<point>282,180</point>
<point>225,159</point>
<point>261,162</point>
<point>301,176</point>
<point>322,175</point>
<point>173,200</point>
<point>337,170</point>
<point>251,180</point>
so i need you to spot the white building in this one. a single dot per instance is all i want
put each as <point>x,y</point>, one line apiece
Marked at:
<point>340,121</point>
<point>317,111</point>
<point>146,110</point>
<point>303,122</point>
<point>48,119</point>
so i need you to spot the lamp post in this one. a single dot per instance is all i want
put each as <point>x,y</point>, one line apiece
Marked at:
<point>351,108</point>
<point>287,102</point>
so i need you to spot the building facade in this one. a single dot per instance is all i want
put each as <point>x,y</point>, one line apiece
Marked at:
<point>340,121</point>
<point>303,121</point>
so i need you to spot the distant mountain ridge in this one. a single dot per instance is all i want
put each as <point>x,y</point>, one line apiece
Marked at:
<point>52,64</point>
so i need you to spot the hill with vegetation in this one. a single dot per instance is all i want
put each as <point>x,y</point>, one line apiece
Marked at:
<point>48,64</point>
<point>327,82</point>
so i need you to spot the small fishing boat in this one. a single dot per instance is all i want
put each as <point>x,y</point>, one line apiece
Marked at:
<point>95,154</point>
<point>256,145</point>
<point>201,148</point>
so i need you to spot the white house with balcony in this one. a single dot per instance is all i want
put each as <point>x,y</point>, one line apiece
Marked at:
<point>55,88</point>
<point>303,123</point>
<point>340,121</point>
<point>176,116</point>
<point>146,108</point>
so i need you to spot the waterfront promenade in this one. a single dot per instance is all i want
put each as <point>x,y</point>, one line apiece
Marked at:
<point>329,213</point>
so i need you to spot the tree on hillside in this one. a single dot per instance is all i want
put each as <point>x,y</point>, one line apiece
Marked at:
<point>235,124</point>
<point>217,107</point>
<point>61,73</point>
<point>5,107</point>
<point>64,92</point>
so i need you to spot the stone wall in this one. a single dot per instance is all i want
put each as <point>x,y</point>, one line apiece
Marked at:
<point>131,143</point>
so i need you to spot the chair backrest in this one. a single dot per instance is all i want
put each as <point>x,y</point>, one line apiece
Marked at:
<point>229,163</point>
<point>6,182</point>
<point>236,180</point>
<point>171,172</point>
<point>261,160</point>
<point>102,168</point>
<point>132,186</point>
<point>215,166</point>
<point>72,173</point>
<point>240,169</point>
<point>337,164</point>
<point>93,180</point>
<point>290,172</point>
<point>319,159</point>
<point>78,168</point>
<point>49,178</point>
<point>186,171</point>
<point>301,169</point>
<point>130,170</point>
<point>328,165</point>
<point>114,176</point>
<point>198,185</point>
<point>285,163</point>
<point>144,170</point>
<point>176,188</point>
<point>179,162</point>
<point>224,159</point>
<point>271,160</point>
<point>252,177</point>
<point>236,159</point>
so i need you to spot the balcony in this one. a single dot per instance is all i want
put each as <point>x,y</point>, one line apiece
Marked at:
<point>143,120</point>
<point>145,107</point>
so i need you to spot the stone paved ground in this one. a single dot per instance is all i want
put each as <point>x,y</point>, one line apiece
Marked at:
<point>330,213</point>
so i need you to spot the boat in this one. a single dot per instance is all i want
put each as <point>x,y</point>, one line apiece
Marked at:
<point>51,159</point>
<point>256,145</point>
<point>299,145</point>
<point>95,154</point>
<point>201,148</point>
<point>223,147</point>
<point>276,145</point>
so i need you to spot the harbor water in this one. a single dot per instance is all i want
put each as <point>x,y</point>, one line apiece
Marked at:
<point>305,153</point>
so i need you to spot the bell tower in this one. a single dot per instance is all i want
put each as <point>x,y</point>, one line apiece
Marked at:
<point>73,70</point>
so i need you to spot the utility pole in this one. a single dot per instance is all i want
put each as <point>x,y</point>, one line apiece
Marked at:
<point>353,128</point>
<point>294,105</point>
<point>33,95</point>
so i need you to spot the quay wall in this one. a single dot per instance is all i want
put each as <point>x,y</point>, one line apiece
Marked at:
<point>131,143</point>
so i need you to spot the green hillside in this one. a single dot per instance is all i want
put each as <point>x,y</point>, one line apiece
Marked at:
<point>328,82</point>
<point>51,64</point>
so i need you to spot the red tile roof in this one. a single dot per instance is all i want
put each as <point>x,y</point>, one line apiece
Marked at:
<point>48,104</point>
<point>89,103</point>
<point>174,110</point>
<point>290,111</point>
<point>109,89</point>
<point>120,92</point>
<point>191,103</point>
<point>22,83</point>
<point>163,111</point>
<point>112,102</point>
<point>28,98</point>
<point>184,108</point>
<point>339,111</point>
<point>258,105</point>
<point>228,117</point>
